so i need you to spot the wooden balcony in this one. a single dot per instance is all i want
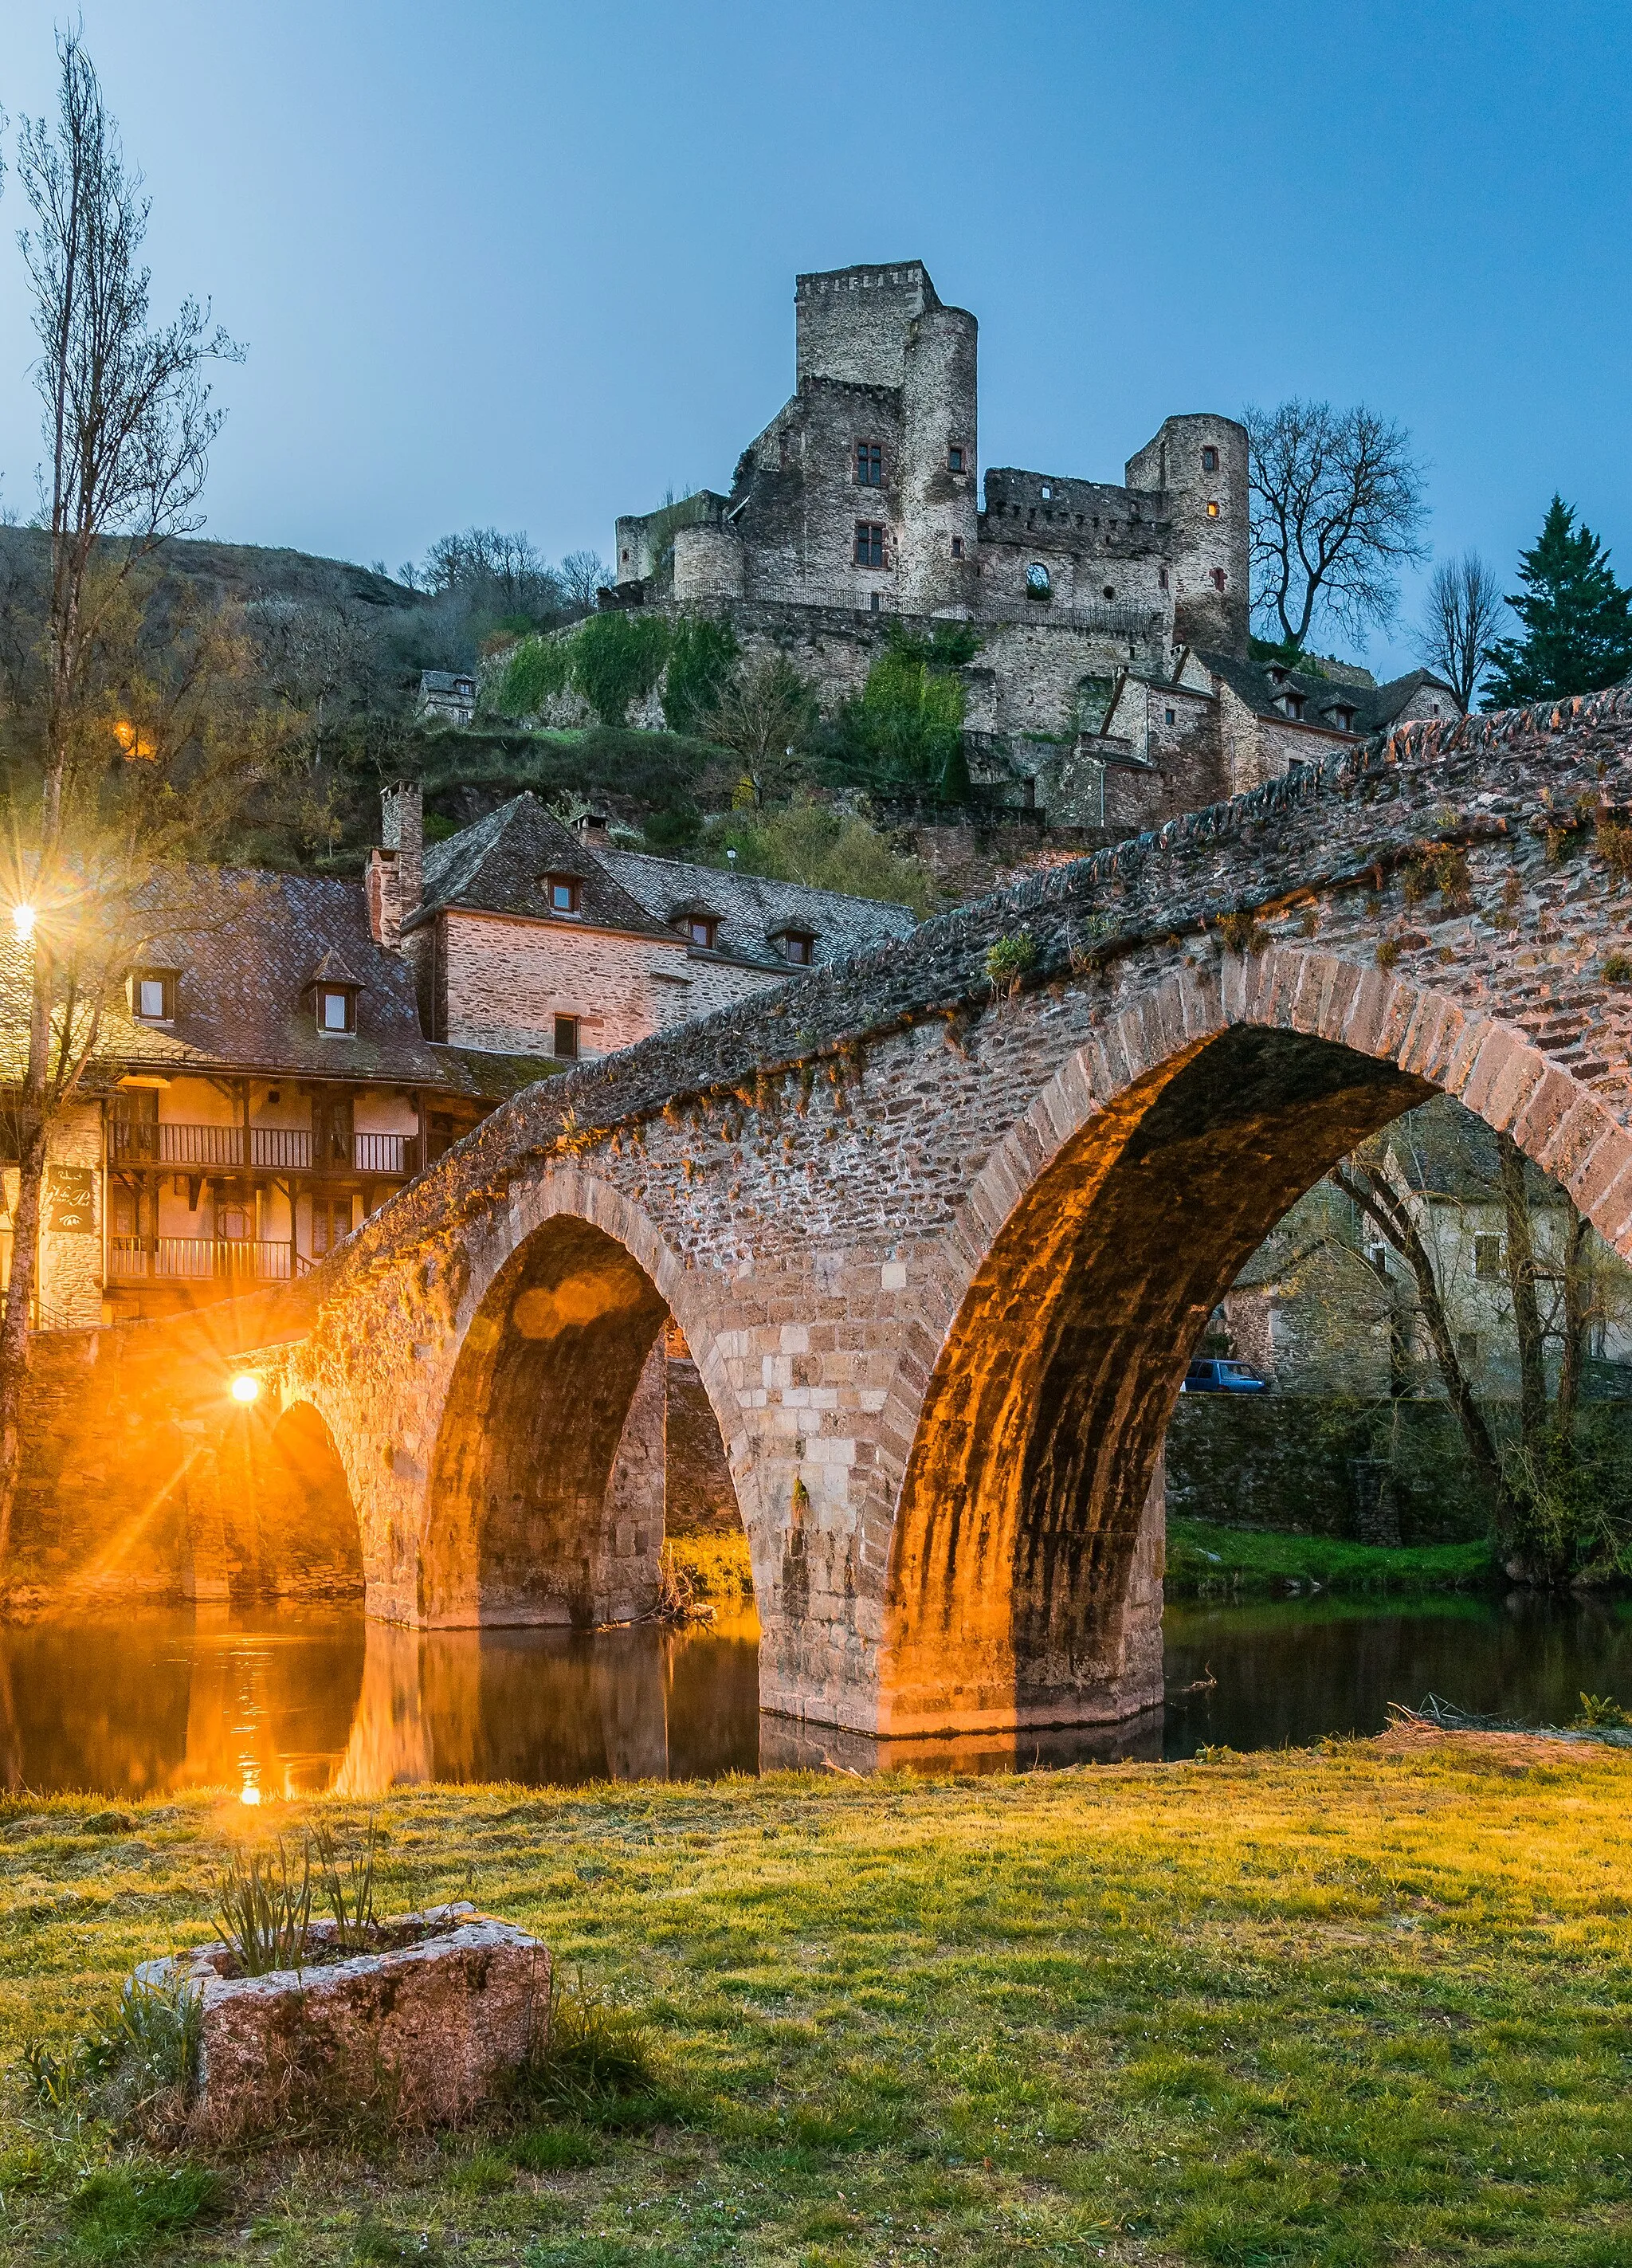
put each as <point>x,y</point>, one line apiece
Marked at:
<point>201,1259</point>
<point>272,1149</point>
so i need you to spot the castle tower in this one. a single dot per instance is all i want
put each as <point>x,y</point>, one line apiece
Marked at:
<point>938,501</point>
<point>851,324</point>
<point>1199,466</point>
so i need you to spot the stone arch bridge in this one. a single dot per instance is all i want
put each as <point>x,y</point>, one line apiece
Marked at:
<point>942,1226</point>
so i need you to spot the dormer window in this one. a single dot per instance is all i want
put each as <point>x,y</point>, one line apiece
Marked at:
<point>561,892</point>
<point>702,928</point>
<point>1345,719</point>
<point>336,1009</point>
<point>796,944</point>
<point>153,995</point>
<point>1292,704</point>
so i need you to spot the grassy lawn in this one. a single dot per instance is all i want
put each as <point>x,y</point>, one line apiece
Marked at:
<point>1362,2005</point>
<point>1206,1560</point>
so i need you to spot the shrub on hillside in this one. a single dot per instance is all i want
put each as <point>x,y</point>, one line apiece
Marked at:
<point>825,850</point>
<point>618,658</point>
<point>701,654</point>
<point>907,724</point>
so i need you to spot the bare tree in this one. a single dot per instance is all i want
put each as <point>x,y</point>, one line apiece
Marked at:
<point>1337,509</point>
<point>763,713</point>
<point>1464,613</point>
<point>127,428</point>
<point>581,574</point>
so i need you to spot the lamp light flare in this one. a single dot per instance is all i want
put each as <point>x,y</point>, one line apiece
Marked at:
<point>250,1793</point>
<point>244,1388</point>
<point>23,921</point>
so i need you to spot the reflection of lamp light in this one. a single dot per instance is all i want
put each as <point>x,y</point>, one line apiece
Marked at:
<point>244,1388</point>
<point>23,922</point>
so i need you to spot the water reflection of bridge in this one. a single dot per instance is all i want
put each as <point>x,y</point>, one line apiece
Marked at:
<point>283,1704</point>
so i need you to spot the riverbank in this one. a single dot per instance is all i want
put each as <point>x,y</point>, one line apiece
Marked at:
<point>1306,2007</point>
<point>1207,1560</point>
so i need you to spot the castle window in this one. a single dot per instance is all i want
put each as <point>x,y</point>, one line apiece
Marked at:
<point>565,1048</point>
<point>1110,590</point>
<point>955,458</point>
<point>869,543</point>
<point>1170,718</point>
<point>1218,579</point>
<point>1210,460</point>
<point>875,603</point>
<point>561,892</point>
<point>1048,493</point>
<point>1161,577</point>
<point>957,547</point>
<point>1039,582</point>
<point>1488,1257</point>
<point>869,465</point>
<point>1212,511</point>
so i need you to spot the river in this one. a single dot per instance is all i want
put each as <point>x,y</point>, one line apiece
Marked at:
<point>279,1703</point>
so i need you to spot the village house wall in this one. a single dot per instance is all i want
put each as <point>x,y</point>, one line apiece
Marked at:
<point>507,979</point>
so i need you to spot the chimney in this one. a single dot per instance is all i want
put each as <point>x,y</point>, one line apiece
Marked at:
<point>594,830</point>
<point>403,830</point>
<point>395,882</point>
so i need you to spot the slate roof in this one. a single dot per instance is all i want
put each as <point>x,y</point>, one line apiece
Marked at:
<point>751,909</point>
<point>243,944</point>
<point>1374,707</point>
<point>1444,1150</point>
<point>500,865</point>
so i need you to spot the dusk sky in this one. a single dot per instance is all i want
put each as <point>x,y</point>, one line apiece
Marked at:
<point>533,265</point>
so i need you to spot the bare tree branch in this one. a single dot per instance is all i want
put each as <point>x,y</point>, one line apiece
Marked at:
<point>1465,612</point>
<point>1337,509</point>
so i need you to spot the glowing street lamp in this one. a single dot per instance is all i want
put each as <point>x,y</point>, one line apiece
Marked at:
<point>244,1388</point>
<point>23,921</point>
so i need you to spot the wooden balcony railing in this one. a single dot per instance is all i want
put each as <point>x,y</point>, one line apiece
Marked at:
<point>275,1149</point>
<point>200,1260</point>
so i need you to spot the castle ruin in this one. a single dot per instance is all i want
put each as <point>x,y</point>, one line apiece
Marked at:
<point>1113,685</point>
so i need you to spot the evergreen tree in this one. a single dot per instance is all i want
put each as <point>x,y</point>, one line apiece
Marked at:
<point>1577,626</point>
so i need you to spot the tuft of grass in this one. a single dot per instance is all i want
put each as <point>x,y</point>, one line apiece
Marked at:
<point>596,2064</point>
<point>557,2149</point>
<point>1617,967</point>
<point>375,2242</point>
<point>123,2212</point>
<point>1209,1559</point>
<point>263,1917</point>
<point>347,1883</point>
<point>144,2044</point>
<point>1600,1711</point>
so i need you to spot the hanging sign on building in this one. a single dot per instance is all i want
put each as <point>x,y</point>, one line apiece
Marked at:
<point>70,1200</point>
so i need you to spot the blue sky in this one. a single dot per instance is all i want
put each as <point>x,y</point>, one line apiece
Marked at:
<point>533,264</point>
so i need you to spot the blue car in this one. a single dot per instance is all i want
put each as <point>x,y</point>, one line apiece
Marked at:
<point>1211,1377</point>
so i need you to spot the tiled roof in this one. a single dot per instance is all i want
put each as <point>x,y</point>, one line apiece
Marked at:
<point>501,865</point>
<point>243,944</point>
<point>752,910</point>
<point>1373,708</point>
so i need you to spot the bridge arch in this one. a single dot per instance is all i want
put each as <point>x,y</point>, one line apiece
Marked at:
<point>299,1533</point>
<point>1023,1553</point>
<point>546,1494</point>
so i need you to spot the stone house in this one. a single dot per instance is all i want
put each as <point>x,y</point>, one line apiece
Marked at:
<point>1326,1307</point>
<point>288,1050</point>
<point>527,935</point>
<point>260,1084</point>
<point>1113,687</point>
<point>447,694</point>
